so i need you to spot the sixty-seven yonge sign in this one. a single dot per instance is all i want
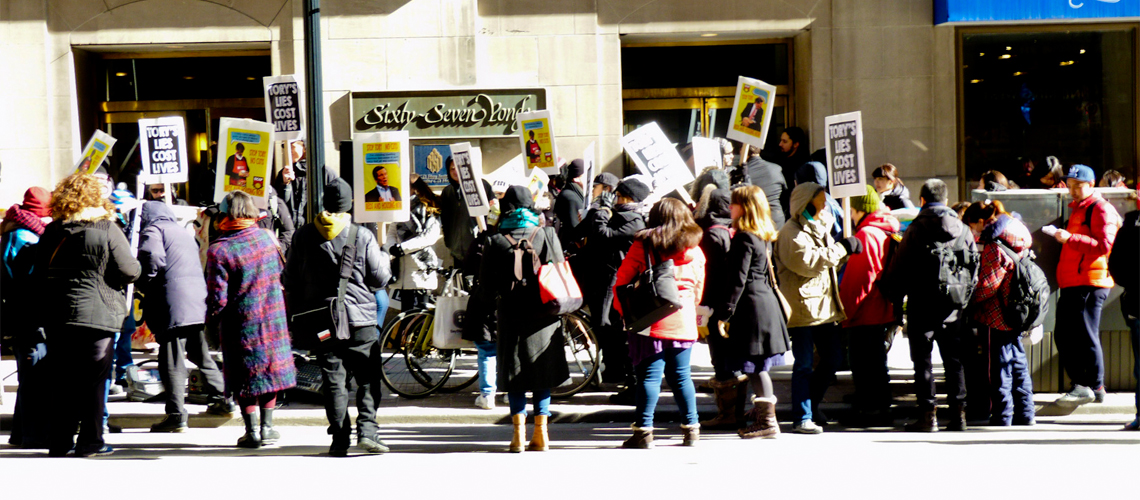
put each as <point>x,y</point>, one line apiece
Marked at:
<point>470,114</point>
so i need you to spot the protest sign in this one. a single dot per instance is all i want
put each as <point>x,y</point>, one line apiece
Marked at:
<point>96,150</point>
<point>380,161</point>
<point>656,157</point>
<point>244,150</point>
<point>470,179</point>
<point>284,107</point>
<point>845,155</point>
<point>537,139</point>
<point>751,111</point>
<point>163,145</point>
<point>510,174</point>
<point>706,153</point>
<point>538,184</point>
<point>430,162</point>
<point>589,162</point>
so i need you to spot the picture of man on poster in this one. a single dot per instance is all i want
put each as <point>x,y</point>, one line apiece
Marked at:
<point>237,168</point>
<point>752,113</point>
<point>533,150</point>
<point>382,191</point>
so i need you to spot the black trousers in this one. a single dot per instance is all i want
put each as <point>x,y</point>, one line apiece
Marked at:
<point>949,338</point>
<point>976,363</point>
<point>868,352</point>
<point>81,361</point>
<point>1077,334</point>
<point>339,361</point>
<point>174,347</point>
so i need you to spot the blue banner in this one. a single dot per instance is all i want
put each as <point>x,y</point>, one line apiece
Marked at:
<point>949,11</point>
<point>431,163</point>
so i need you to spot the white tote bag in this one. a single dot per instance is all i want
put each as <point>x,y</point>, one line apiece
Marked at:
<point>447,332</point>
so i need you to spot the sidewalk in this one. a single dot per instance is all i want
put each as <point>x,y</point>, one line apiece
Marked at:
<point>589,406</point>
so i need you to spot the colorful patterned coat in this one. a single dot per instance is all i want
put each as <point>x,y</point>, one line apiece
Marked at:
<point>246,307</point>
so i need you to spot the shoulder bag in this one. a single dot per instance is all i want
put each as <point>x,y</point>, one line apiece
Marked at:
<point>651,297</point>
<point>331,319</point>
<point>785,307</point>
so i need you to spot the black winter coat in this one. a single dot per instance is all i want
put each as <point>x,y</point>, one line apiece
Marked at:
<point>83,269</point>
<point>568,211</point>
<point>458,225</point>
<point>312,274</point>
<point>530,347</point>
<point>172,282</point>
<point>608,238</point>
<point>715,244</point>
<point>756,323</point>
<point>479,322</point>
<point>1123,266</point>
<point>769,178</point>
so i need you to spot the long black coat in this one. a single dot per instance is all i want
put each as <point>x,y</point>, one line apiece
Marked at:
<point>608,238</point>
<point>756,324</point>
<point>172,282</point>
<point>568,210</point>
<point>530,348</point>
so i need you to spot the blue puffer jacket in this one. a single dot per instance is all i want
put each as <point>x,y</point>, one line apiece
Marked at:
<point>172,280</point>
<point>814,171</point>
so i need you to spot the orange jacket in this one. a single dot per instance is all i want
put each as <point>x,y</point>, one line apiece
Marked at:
<point>1084,258</point>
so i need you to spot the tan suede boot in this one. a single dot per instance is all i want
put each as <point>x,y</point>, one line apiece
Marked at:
<point>518,420</point>
<point>540,437</point>
<point>726,409</point>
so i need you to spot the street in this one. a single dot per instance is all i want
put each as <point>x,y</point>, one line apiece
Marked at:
<point>470,461</point>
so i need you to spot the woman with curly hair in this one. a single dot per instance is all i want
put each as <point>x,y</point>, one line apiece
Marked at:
<point>83,269</point>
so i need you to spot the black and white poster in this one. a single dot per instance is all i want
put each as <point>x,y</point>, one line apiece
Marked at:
<point>284,107</point>
<point>470,179</point>
<point>845,155</point>
<point>657,158</point>
<point>162,142</point>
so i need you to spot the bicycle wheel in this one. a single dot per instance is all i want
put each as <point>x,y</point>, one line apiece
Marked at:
<point>410,366</point>
<point>582,355</point>
<point>464,373</point>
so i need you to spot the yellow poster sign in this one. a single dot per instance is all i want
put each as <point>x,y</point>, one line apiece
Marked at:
<point>244,152</point>
<point>537,138</point>
<point>97,149</point>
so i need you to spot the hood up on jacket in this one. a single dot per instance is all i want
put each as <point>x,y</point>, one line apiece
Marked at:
<point>812,171</point>
<point>802,196</point>
<point>940,222</point>
<point>155,211</point>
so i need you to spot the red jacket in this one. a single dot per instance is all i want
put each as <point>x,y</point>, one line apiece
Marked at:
<point>688,270</point>
<point>993,273</point>
<point>1084,258</point>
<point>859,290</point>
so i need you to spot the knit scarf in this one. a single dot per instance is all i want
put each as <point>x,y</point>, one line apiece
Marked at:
<point>231,224</point>
<point>25,220</point>
<point>519,217</point>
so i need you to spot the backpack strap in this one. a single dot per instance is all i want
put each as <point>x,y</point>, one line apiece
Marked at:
<point>1088,213</point>
<point>519,249</point>
<point>347,260</point>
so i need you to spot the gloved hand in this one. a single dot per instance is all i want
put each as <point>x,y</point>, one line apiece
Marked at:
<point>606,199</point>
<point>852,245</point>
<point>396,251</point>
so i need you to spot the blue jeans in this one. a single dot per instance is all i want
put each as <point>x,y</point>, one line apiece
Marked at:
<point>808,385</point>
<point>1012,398</point>
<point>487,358</point>
<point>1134,325</point>
<point>123,357</point>
<point>541,402</point>
<point>382,300</point>
<point>673,365</point>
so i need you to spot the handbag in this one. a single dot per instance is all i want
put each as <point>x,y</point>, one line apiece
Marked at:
<point>331,319</point>
<point>785,306</point>
<point>557,287</point>
<point>651,297</point>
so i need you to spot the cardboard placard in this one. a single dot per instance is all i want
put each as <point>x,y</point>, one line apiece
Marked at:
<point>470,179</point>
<point>656,157</point>
<point>845,171</point>
<point>245,148</point>
<point>588,158</point>
<point>285,107</point>
<point>510,174</point>
<point>381,163</point>
<point>706,153</point>
<point>538,184</point>
<point>96,150</point>
<point>537,139</point>
<point>163,146</point>
<point>751,111</point>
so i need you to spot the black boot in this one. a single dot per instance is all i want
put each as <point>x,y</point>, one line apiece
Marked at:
<point>252,437</point>
<point>957,418</point>
<point>927,422</point>
<point>269,435</point>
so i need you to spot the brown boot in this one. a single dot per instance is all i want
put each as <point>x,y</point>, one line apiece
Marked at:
<point>726,409</point>
<point>957,418</point>
<point>540,437</point>
<point>642,439</point>
<point>764,424</point>
<point>691,433</point>
<point>927,422</point>
<point>518,420</point>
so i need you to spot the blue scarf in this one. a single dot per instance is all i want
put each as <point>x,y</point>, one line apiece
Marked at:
<point>519,217</point>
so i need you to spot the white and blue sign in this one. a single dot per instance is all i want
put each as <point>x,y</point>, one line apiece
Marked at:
<point>955,11</point>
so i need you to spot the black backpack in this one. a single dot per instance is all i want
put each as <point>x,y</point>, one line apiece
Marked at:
<point>957,272</point>
<point>1025,306</point>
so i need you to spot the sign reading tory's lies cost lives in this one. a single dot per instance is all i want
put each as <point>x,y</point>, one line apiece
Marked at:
<point>284,107</point>
<point>163,148</point>
<point>845,155</point>
<point>470,180</point>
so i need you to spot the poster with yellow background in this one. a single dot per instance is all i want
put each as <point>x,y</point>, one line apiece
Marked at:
<point>96,150</point>
<point>244,155</point>
<point>536,136</point>
<point>381,164</point>
<point>752,111</point>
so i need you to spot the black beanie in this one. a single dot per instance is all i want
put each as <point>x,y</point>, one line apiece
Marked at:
<point>575,169</point>
<point>633,188</point>
<point>516,197</point>
<point>338,197</point>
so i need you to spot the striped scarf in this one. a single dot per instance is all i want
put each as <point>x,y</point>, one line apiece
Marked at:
<point>25,220</point>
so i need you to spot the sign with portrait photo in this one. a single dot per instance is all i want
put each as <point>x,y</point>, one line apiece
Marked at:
<point>284,107</point>
<point>381,162</point>
<point>163,150</point>
<point>845,155</point>
<point>537,139</point>
<point>244,154</point>
<point>751,111</point>
<point>96,150</point>
<point>470,179</point>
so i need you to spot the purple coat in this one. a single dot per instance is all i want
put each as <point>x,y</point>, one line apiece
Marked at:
<point>173,286</point>
<point>246,306</point>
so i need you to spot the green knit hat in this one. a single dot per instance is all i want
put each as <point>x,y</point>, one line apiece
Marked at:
<point>868,203</point>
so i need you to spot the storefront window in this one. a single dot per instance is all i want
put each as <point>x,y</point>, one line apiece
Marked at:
<point>1029,95</point>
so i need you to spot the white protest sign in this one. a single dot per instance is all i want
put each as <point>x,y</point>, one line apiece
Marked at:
<point>96,150</point>
<point>510,174</point>
<point>656,157</point>
<point>245,148</point>
<point>751,111</point>
<point>163,146</point>
<point>706,153</point>
<point>845,171</point>
<point>380,162</point>
<point>470,180</point>
<point>284,106</point>
<point>588,160</point>
<point>536,135</point>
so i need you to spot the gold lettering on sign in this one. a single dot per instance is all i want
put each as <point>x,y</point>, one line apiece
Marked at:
<point>434,161</point>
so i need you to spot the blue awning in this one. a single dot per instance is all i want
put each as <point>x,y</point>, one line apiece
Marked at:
<point>948,11</point>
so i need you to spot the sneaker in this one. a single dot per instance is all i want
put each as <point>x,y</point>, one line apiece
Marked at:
<point>101,452</point>
<point>172,423</point>
<point>485,402</point>
<point>807,427</point>
<point>1099,394</point>
<point>1078,396</point>
<point>1133,425</point>
<point>371,445</point>
<point>222,408</point>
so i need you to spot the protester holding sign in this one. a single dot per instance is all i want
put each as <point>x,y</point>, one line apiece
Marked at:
<point>459,227</point>
<point>570,202</point>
